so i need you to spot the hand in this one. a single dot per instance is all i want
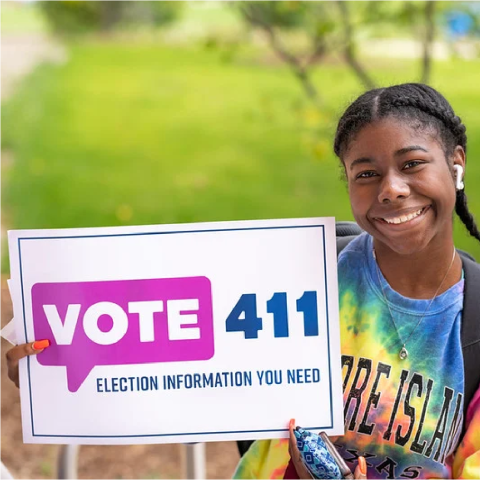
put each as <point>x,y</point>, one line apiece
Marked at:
<point>20,351</point>
<point>302,471</point>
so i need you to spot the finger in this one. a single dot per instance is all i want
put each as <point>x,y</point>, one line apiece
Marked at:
<point>20,351</point>
<point>295,454</point>
<point>292,441</point>
<point>13,374</point>
<point>361,470</point>
<point>25,349</point>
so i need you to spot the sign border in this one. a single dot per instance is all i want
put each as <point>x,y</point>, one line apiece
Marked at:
<point>169,233</point>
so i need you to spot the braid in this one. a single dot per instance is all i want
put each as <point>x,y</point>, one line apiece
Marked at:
<point>466,217</point>
<point>424,108</point>
<point>429,101</point>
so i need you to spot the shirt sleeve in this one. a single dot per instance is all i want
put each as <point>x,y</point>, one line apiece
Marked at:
<point>466,462</point>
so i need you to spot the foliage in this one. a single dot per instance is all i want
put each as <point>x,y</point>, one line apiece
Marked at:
<point>335,28</point>
<point>314,19</point>
<point>284,14</point>
<point>155,13</point>
<point>69,17</point>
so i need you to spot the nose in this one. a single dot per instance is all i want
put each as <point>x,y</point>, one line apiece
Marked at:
<point>393,187</point>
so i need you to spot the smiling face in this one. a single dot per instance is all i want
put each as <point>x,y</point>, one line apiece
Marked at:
<point>401,186</point>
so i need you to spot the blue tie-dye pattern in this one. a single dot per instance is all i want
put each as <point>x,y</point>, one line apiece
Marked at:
<point>434,353</point>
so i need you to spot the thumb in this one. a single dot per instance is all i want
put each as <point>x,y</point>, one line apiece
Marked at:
<point>361,470</point>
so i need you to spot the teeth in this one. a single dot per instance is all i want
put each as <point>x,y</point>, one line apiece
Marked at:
<point>404,218</point>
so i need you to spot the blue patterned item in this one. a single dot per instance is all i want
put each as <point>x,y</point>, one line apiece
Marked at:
<point>315,455</point>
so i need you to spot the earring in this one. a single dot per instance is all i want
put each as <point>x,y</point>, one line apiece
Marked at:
<point>459,185</point>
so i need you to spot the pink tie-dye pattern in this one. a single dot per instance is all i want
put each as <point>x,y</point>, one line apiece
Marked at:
<point>466,463</point>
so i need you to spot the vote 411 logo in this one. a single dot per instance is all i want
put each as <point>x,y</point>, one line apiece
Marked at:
<point>125,322</point>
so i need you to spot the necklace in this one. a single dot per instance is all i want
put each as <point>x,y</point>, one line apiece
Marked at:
<point>403,354</point>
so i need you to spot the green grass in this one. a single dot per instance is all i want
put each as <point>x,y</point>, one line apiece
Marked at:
<point>20,17</point>
<point>144,134</point>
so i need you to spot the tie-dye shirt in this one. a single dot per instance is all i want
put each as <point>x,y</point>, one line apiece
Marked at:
<point>404,416</point>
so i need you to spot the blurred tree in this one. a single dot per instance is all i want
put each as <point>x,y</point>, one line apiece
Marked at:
<point>419,19</point>
<point>349,44</point>
<point>274,18</point>
<point>334,27</point>
<point>78,17</point>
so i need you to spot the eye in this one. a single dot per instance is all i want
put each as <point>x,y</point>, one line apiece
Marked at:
<point>412,164</point>
<point>367,174</point>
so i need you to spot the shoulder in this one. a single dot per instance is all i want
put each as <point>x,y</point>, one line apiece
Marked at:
<point>354,258</point>
<point>353,245</point>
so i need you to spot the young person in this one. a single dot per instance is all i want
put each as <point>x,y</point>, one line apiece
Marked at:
<point>403,291</point>
<point>403,288</point>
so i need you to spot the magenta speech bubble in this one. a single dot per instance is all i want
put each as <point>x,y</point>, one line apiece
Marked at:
<point>122,322</point>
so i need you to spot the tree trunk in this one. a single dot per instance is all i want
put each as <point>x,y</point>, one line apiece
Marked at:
<point>349,48</point>
<point>300,71</point>
<point>110,13</point>
<point>428,41</point>
<point>308,86</point>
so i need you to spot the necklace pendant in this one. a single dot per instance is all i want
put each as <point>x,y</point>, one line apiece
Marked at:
<point>403,353</point>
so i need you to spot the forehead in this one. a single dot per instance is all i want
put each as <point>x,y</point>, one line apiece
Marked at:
<point>389,135</point>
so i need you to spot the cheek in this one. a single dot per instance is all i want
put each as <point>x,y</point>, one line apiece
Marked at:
<point>441,191</point>
<point>360,199</point>
<point>360,204</point>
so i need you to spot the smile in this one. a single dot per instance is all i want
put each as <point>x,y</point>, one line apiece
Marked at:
<point>402,218</point>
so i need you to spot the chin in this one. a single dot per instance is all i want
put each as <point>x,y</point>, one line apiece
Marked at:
<point>408,246</point>
<point>404,243</point>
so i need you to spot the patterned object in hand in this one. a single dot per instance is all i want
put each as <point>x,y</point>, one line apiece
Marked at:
<point>315,455</point>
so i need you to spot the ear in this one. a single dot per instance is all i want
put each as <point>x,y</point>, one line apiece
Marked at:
<point>459,167</point>
<point>459,157</point>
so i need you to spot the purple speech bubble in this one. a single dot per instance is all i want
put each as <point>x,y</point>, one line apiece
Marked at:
<point>86,337</point>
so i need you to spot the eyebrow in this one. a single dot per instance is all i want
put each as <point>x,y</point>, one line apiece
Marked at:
<point>359,161</point>
<point>402,151</point>
<point>411,148</point>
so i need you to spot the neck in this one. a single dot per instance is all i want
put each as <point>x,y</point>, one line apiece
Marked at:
<point>420,274</point>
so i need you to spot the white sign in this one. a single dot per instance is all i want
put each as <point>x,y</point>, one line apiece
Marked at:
<point>178,333</point>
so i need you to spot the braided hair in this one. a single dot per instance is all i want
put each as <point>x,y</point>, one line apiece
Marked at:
<point>424,108</point>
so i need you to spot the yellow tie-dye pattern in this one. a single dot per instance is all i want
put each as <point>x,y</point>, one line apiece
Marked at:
<point>264,459</point>
<point>466,463</point>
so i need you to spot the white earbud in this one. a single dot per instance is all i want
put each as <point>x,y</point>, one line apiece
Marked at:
<point>459,185</point>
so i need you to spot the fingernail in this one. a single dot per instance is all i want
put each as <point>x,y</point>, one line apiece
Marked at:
<point>41,344</point>
<point>292,423</point>
<point>363,465</point>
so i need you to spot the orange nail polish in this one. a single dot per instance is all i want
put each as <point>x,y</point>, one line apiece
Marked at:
<point>363,465</point>
<point>292,423</point>
<point>41,344</point>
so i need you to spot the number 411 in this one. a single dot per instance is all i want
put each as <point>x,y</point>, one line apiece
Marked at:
<point>250,324</point>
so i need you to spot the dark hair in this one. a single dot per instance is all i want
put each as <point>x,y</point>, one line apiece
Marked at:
<point>424,108</point>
